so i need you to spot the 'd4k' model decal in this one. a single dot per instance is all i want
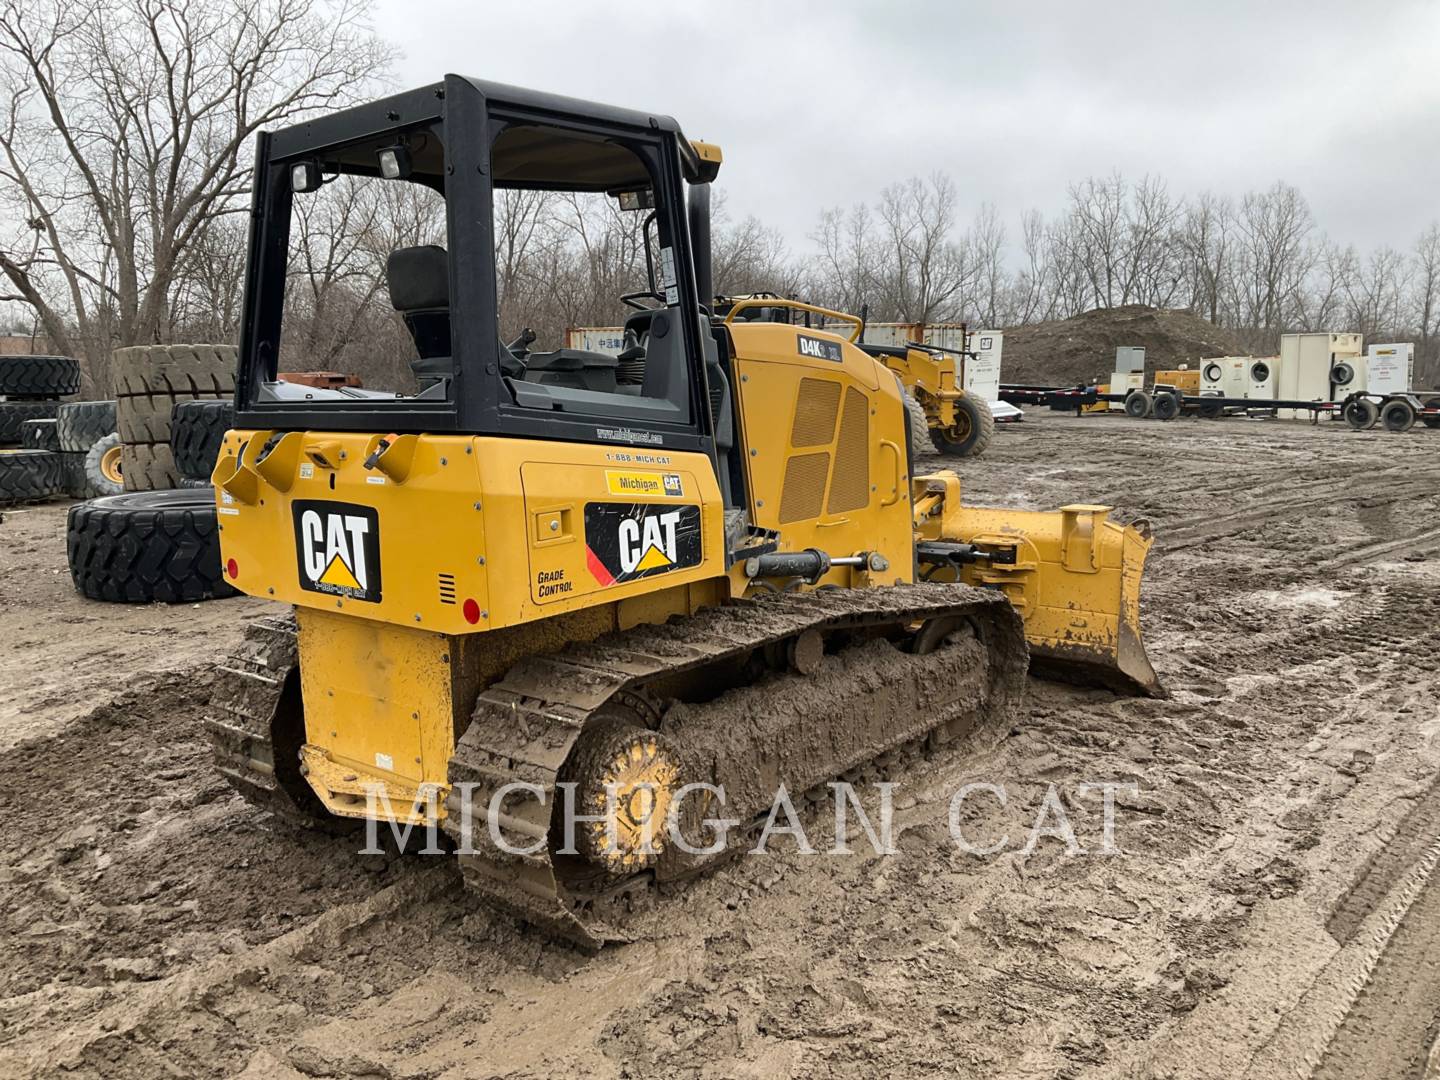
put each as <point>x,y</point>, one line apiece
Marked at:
<point>626,541</point>
<point>337,548</point>
<point>819,348</point>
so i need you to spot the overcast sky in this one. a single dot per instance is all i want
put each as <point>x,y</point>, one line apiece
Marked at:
<point>823,104</point>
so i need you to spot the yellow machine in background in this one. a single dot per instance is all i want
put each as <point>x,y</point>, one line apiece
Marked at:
<point>1186,380</point>
<point>546,577</point>
<point>956,422</point>
<point>943,414</point>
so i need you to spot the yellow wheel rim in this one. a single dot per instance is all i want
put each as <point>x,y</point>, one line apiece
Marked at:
<point>110,465</point>
<point>643,776</point>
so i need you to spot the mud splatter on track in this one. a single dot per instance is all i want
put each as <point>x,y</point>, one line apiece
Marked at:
<point>1273,910</point>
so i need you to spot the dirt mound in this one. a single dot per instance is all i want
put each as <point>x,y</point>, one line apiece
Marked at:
<point>1082,348</point>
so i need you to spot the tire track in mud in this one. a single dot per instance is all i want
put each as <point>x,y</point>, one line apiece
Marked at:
<point>1394,1021</point>
<point>1373,1011</point>
<point>1415,835</point>
<point>1192,532</point>
<point>1371,552</point>
<point>126,1020</point>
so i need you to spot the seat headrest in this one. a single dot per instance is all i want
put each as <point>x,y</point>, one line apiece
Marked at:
<point>419,278</point>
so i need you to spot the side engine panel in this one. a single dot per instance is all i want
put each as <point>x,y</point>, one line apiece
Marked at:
<point>823,430</point>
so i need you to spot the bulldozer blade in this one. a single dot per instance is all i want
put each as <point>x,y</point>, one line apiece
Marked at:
<point>1073,575</point>
<point>1081,597</point>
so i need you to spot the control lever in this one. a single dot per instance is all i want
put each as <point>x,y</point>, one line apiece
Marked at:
<point>521,345</point>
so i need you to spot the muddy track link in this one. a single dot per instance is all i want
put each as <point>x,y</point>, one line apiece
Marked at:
<point>738,721</point>
<point>252,686</point>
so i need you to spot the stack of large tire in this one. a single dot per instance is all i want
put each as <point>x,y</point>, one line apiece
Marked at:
<point>197,431</point>
<point>160,540</point>
<point>31,388</point>
<point>150,381</point>
<point>86,439</point>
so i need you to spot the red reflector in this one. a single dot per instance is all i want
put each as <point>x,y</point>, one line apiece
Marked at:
<point>233,569</point>
<point>472,612</point>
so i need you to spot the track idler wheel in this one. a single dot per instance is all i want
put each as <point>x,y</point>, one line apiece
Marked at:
<point>628,776</point>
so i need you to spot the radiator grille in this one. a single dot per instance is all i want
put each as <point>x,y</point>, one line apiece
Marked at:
<point>815,408</point>
<point>447,588</point>
<point>850,486</point>
<point>804,490</point>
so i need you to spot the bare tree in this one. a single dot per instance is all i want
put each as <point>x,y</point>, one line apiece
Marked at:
<point>522,220</point>
<point>923,274</point>
<point>125,136</point>
<point>1374,294</point>
<point>1207,241</point>
<point>338,313</point>
<point>1095,238</point>
<point>1032,297</point>
<point>750,257</point>
<point>1425,305</point>
<point>210,283</point>
<point>989,306</point>
<point>1322,300</point>
<point>848,258</point>
<point>1275,257</point>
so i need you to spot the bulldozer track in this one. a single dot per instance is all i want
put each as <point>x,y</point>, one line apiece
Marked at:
<point>250,687</point>
<point>876,700</point>
<point>750,739</point>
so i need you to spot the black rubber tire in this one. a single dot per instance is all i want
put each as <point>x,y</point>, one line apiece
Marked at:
<point>38,376</point>
<point>77,484</point>
<point>149,467</point>
<point>1398,416</point>
<point>82,424</point>
<point>1138,405</point>
<point>13,415</point>
<point>30,475</point>
<point>146,547</point>
<point>919,423</point>
<point>39,435</point>
<point>149,380</point>
<point>1360,413</point>
<point>97,481</point>
<point>197,431</point>
<point>195,482</point>
<point>1431,421</point>
<point>973,435</point>
<point>1212,410</point>
<point>1165,406</point>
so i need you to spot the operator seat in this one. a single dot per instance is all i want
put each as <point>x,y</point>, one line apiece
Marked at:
<point>419,281</point>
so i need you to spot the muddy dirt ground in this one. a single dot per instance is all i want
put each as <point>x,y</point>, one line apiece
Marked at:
<point>1274,909</point>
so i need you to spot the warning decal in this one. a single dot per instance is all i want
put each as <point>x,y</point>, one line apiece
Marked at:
<point>626,541</point>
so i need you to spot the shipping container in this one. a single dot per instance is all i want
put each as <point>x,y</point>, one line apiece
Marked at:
<point>609,340</point>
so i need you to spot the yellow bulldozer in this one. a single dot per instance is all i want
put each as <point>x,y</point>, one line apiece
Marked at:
<point>543,583</point>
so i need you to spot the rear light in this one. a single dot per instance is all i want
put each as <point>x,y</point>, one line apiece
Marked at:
<point>233,569</point>
<point>471,611</point>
